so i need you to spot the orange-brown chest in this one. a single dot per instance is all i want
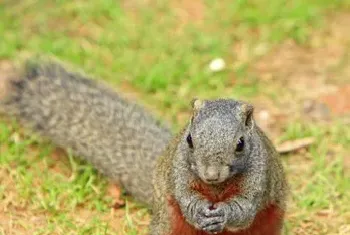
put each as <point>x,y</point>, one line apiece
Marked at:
<point>267,222</point>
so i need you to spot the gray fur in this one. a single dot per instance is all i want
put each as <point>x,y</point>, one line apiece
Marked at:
<point>119,138</point>
<point>215,129</point>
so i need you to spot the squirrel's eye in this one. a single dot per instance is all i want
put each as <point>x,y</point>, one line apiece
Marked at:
<point>240,145</point>
<point>189,141</point>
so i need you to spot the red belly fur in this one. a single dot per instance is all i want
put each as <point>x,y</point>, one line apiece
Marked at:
<point>267,222</point>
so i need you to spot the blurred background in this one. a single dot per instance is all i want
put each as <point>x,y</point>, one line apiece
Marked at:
<point>291,59</point>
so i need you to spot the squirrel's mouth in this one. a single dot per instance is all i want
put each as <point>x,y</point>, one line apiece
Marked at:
<point>213,182</point>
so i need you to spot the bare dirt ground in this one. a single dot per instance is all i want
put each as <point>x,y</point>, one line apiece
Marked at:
<point>311,81</point>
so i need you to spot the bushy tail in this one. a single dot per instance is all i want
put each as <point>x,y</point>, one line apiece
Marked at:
<point>119,138</point>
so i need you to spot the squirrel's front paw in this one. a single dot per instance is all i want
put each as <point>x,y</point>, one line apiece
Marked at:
<point>196,215</point>
<point>207,218</point>
<point>215,218</point>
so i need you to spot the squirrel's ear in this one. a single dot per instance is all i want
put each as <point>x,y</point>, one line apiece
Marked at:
<point>197,104</point>
<point>247,111</point>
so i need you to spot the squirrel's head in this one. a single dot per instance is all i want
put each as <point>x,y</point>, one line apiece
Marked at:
<point>217,138</point>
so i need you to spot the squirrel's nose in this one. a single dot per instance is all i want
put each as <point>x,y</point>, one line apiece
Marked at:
<point>211,174</point>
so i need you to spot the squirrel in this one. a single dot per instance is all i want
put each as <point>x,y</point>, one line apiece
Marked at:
<point>219,175</point>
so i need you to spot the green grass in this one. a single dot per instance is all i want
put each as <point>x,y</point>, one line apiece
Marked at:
<point>148,46</point>
<point>318,178</point>
<point>163,54</point>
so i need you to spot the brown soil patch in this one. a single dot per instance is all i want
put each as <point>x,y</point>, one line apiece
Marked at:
<point>306,81</point>
<point>301,72</point>
<point>189,11</point>
<point>116,192</point>
<point>6,71</point>
<point>339,100</point>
